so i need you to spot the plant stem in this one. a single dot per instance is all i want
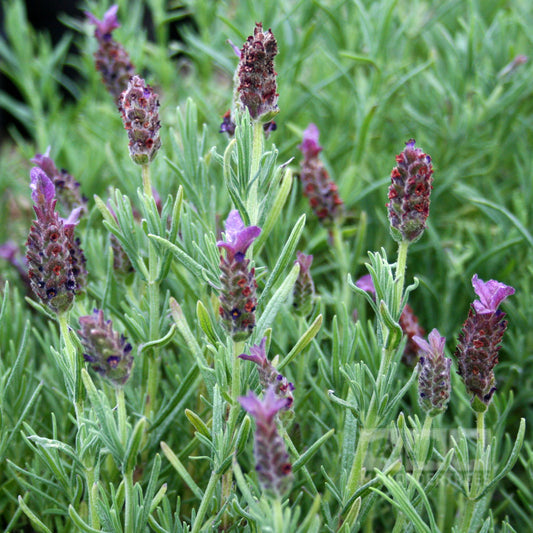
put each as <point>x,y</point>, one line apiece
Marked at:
<point>93,514</point>
<point>129,515</point>
<point>257,151</point>
<point>477,476</point>
<point>215,476</point>
<point>401,264</point>
<point>121,411</point>
<point>147,181</point>
<point>278,515</point>
<point>356,473</point>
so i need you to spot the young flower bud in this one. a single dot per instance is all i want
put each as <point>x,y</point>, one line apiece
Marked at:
<point>66,187</point>
<point>55,260</point>
<point>273,467</point>
<point>257,87</point>
<point>317,185</point>
<point>268,375</point>
<point>479,341</point>
<point>139,106</point>
<point>108,352</point>
<point>304,288</point>
<point>434,383</point>
<point>409,193</point>
<point>111,58</point>
<point>238,300</point>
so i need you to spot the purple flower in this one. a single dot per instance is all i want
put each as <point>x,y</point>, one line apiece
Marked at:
<point>273,467</point>
<point>257,89</point>
<point>491,294</point>
<point>55,259</point>
<point>411,184</point>
<point>365,283</point>
<point>238,237</point>
<point>107,24</point>
<point>112,60</point>
<point>268,375</point>
<point>480,340</point>
<point>316,182</point>
<point>434,379</point>
<point>309,146</point>
<point>304,287</point>
<point>108,352</point>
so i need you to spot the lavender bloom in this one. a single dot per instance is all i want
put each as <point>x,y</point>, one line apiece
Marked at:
<point>67,188</point>
<point>257,89</point>
<point>272,460</point>
<point>55,260</point>
<point>139,106</point>
<point>107,351</point>
<point>434,383</point>
<point>480,338</point>
<point>111,58</point>
<point>268,375</point>
<point>304,288</point>
<point>408,322</point>
<point>411,184</point>
<point>238,299</point>
<point>317,185</point>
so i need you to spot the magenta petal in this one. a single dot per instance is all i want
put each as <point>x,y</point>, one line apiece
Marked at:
<point>73,217</point>
<point>43,190</point>
<point>310,146</point>
<point>108,23</point>
<point>304,261</point>
<point>238,237</point>
<point>491,294</point>
<point>366,284</point>
<point>265,409</point>
<point>436,341</point>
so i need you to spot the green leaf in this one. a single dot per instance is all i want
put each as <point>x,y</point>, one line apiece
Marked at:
<point>302,343</point>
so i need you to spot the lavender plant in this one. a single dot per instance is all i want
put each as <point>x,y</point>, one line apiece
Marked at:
<point>205,380</point>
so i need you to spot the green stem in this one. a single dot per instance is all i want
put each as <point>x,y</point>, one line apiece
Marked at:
<point>356,473</point>
<point>93,514</point>
<point>257,151</point>
<point>278,515</point>
<point>129,515</point>
<point>343,262</point>
<point>121,411</point>
<point>147,181</point>
<point>477,476</point>
<point>72,358</point>
<point>206,500</point>
<point>401,265</point>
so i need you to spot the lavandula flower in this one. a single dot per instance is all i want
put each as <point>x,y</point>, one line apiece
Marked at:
<point>107,351</point>
<point>139,107</point>
<point>66,187</point>
<point>56,264</point>
<point>317,185</point>
<point>257,88</point>
<point>480,338</point>
<point>111,58</point>
<point>304,288</point>
<point>434,383</point>
<point>411,184</point>
<point>408,322</point>
<point>238,299</point>
<point>273,467</point>
<point>268,375</point>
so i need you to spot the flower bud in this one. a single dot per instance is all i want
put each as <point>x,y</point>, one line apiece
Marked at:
<point>107,351</point>
<point>139,106</point>
<point>238,299</point>
<point>480,339</point>
<point>273,467</point>
<point>411,184</point>
<point>317,185</point>
<point>434,383</point>
<point>111,58</point>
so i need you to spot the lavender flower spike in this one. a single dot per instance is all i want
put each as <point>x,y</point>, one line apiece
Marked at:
<point>409,193</point>
<point>304,288</point>
<point>54,256</point>
<point>139,107</point>
<point>238,300</point>
<point>111,58</point>
<point>317,185</point>
<point>107,351</point>
<point>272,460</point>
<point>268,375</point>
<point>480,340</point>
<point>434,380</point>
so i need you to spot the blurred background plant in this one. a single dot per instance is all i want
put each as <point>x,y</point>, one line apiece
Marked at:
<point>453,75</point>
